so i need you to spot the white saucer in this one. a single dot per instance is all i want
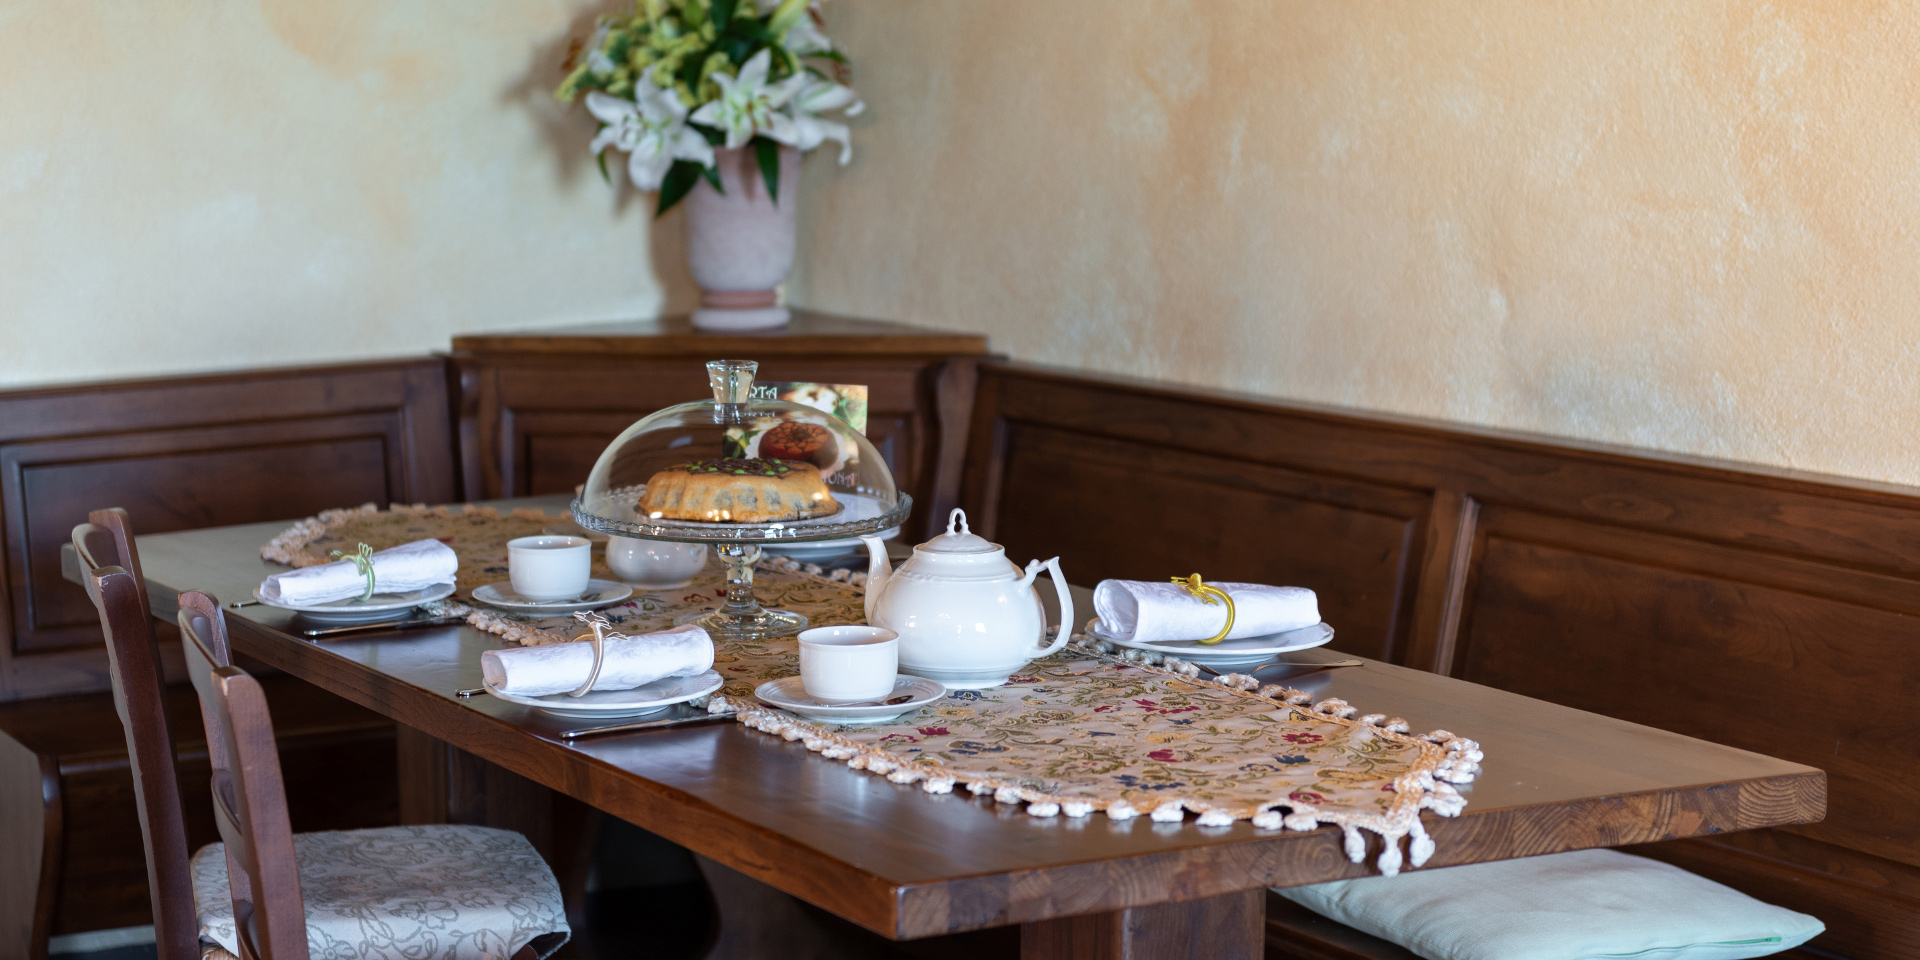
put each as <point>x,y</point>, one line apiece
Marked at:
<point>383,606</point>
<point>1228,653</point>
<point>787,694</point>
<point>607,704</point>
<point>606,593</point>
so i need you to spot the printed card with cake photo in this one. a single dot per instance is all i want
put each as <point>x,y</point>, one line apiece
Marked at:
<point>805,442</point>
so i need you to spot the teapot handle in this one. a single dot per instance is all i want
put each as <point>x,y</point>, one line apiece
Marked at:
<point>1066,607</point>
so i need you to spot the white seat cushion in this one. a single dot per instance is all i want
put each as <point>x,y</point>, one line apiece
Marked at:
<point>445,892</point>
<point>1584,905</point>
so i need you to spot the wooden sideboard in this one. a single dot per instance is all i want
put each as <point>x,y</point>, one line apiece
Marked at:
<point>537,407</point>
<point>1757,608</point>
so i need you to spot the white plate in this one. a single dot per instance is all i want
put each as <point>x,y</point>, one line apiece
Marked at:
<point>607,704</point>
<point>383,606</point>
<point>1228,653</point>
<point>820,551</point>
<point>787,694</point>
<point>606,593</point>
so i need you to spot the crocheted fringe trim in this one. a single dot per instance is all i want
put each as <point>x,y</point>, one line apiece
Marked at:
<point>1444,760</point>
<point>290,546</point>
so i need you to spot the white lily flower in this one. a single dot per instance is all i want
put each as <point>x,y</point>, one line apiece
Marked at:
<point>748,104</point>
<point>805,39</point>
<point>820,95</point>
<point>598,63</point>
<point>652,129</point>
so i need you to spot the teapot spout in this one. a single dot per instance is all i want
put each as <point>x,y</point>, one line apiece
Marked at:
<point>879,570</point>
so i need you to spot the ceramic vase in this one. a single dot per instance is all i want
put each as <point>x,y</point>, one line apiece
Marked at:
<point>740,242</point>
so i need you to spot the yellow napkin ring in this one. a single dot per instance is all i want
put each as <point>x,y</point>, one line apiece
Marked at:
<point>1207,594</point>
<point>362,560</point>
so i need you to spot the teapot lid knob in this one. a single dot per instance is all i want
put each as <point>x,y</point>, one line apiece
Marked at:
<point>958,538</point>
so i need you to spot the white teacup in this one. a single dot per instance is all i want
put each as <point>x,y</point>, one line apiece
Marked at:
<point>549,567</point>
<point>848,664</point>
<point>655,564</point>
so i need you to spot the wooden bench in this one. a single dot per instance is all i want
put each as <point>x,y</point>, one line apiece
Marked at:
<point>178,453</point>
<point>1758,608</point>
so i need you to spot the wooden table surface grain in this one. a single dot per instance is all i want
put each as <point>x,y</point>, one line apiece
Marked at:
<point>907,864</point>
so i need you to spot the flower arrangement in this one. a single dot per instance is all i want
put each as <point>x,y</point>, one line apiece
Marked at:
<point>675,79</point>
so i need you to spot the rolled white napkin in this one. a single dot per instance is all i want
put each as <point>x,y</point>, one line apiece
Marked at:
<point>631,662</point>
<point>409,566</point>
<point>1150,612</point>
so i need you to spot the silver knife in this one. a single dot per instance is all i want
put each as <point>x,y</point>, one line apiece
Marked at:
<point>644,725</point>
<point>379,625</point>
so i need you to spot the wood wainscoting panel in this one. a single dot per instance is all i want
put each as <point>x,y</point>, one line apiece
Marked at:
<point>1654,630</point>
<point>1165,512</point>
<point>193,452</point>
<point>1761,608</point>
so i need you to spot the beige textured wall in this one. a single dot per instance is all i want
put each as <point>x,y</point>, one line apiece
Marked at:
<point>195,184</point>
<point>1687,225</point>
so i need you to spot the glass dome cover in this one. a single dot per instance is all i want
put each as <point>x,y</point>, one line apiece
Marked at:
<point>736,426</point>
<point>736,433</point>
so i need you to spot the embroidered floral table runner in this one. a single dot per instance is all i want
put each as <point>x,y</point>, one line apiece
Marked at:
<point>1076,733</point>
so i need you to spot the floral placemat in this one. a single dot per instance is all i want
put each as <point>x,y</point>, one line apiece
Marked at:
<point>1090,729</point>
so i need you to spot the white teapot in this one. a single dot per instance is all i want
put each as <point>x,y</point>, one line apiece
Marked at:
<point>965,615</point>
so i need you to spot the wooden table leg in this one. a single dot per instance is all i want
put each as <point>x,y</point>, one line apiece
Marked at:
<point>756,921</point>
<point>1227,927</point>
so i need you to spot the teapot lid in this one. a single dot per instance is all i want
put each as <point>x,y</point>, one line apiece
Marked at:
<point>958,539</point>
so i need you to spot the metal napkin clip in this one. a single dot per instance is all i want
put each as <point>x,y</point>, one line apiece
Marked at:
<point>598,638</point>
<point>1206,593</point>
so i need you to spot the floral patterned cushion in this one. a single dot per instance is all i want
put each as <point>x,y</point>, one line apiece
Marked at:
<point>446,892</point>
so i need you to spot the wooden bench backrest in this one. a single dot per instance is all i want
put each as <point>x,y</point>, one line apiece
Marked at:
<point>1762,609</point>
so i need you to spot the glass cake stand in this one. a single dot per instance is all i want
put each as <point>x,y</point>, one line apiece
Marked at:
<point>737,424</point>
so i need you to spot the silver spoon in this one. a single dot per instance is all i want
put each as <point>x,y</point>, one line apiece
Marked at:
<point>583,598</point>
<point>903,698</point>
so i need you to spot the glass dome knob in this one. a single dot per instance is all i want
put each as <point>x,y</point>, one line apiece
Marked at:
<point>732,380</point>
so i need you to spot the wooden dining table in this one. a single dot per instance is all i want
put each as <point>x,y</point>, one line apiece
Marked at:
<point>908,864</point>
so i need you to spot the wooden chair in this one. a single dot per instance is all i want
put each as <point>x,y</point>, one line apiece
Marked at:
<point>139,696</point>
<point>267,893</point>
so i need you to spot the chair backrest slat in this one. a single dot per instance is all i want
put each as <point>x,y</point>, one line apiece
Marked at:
<point>250,803</point>
<point>139,696</point>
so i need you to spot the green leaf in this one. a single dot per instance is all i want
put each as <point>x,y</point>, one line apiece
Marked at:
<point>679,181</point>
<point>601,159</point>
<point>722,13</point>
<point>713,177</point>
<point>768,153</point>
<point>738,49</point>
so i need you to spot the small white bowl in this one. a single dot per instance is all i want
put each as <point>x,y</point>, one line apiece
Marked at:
<point>549,567</point>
